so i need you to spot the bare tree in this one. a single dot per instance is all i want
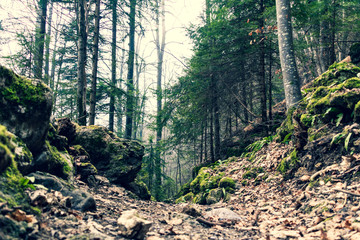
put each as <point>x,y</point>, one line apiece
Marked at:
<point>288,65</point>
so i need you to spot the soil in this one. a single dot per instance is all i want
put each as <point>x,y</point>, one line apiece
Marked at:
<point>322,204</point>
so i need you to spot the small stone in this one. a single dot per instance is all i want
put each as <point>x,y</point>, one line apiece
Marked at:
<point>305,178</point>
<point>132,226</point>
<point>191,211</point>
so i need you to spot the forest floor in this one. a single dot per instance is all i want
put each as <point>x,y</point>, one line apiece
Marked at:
<point>320,205</point>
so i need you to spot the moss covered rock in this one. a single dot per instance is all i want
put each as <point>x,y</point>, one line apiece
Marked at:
<point>6,155</point>
<point>214,196</point>
<point>25,108</point>
<point>13,148</point>
<point>228,184</point>
<point>58,163</point>
<point>117,159</point>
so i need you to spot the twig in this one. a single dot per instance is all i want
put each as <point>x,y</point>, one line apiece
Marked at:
<point>347,192</point>
<point>201,220</point>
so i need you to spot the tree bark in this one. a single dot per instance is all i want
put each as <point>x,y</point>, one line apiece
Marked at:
<point>262,80</point>
<point>81,87</point>
<point>95,65</point>
<point>40,39</point>
<point>160,46</point>
<point>286,51</point>
<point>113,65</point>
<point>130,75</point>
<point>47,79</point>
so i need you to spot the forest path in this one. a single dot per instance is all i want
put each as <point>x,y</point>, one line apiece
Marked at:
<point>269,210</point>
<point>168,220</point>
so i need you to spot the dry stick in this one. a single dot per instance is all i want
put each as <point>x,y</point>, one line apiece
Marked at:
<point>201,220</point>
<point>347,192</point>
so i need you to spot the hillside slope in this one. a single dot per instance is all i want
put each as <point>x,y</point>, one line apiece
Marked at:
<point>302,182</point>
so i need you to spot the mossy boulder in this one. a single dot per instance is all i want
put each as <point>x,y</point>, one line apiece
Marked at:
<point>139,188</point>
<point>207,181</point>
<point>228,184</point>
<point>13,148</point>
<point>117,159</point>
<point>214,196</point>
<point>6,155</point>
<point>331,97</point>
<point>53,161</point>
<point>199,183</point>
<point>25,108</point>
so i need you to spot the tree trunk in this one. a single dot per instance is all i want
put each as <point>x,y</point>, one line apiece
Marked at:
<point>270,82</point>
<point>95,65</point>
<point>82,41</point>
<point>262,80</point>
<point>113,65</point>
<point>40,39</point>
<point>287,57</point>
<point>47,53</point>
<point>216,125</point>
<point>130,75</point>
<point>160,46</point>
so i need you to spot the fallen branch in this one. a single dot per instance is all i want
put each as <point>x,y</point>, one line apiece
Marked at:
<point>202,220</point>
<point>347,192</point>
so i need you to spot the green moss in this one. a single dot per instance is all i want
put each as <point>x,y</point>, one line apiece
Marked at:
<point>180,200</point>
<point>286,129</point>
<point>352,83</point>
<point>185,188</point>
<point>307,120</point>
<point>337,73</point>
<point>252,173</point>
<point>289,162</point>
<point>60,166</point>
<point>357,112</point>
<point>227,182</point>
<point>21,90</point>
<point>189,197</point>
<point>201,179</point>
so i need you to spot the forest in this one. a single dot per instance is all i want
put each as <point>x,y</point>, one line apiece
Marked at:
<point>233,78</point>
<point>269,93</point>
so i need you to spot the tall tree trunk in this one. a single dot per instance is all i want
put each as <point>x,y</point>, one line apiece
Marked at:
<point>160,46</point>
<point>119,99</point>
<point>205,139</point>
<point>270,82</point>
<point>113,65</point>
<point>56,85</point>
<point>81,87</point>
<point>40,39</point>
<point>211,140</point>
<point>47,51</point>
<point>95,65</point>
<point>333,32</point>
<point>286,51</point>
<point>216,123</point>
<point>262,80</point>
<point>130,77</point>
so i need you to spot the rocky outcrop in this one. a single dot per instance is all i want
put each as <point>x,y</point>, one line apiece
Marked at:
<point>13,148</point>
<point>25,108</point>
<point>77,199</point>
<point>117,159</point>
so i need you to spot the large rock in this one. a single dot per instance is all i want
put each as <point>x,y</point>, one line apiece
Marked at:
<point>117,159</point>
<point>51,160</point>
<point>78,200</point>
<point>11,147</point>
<point>5,153</point>
<point>25,108</point>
